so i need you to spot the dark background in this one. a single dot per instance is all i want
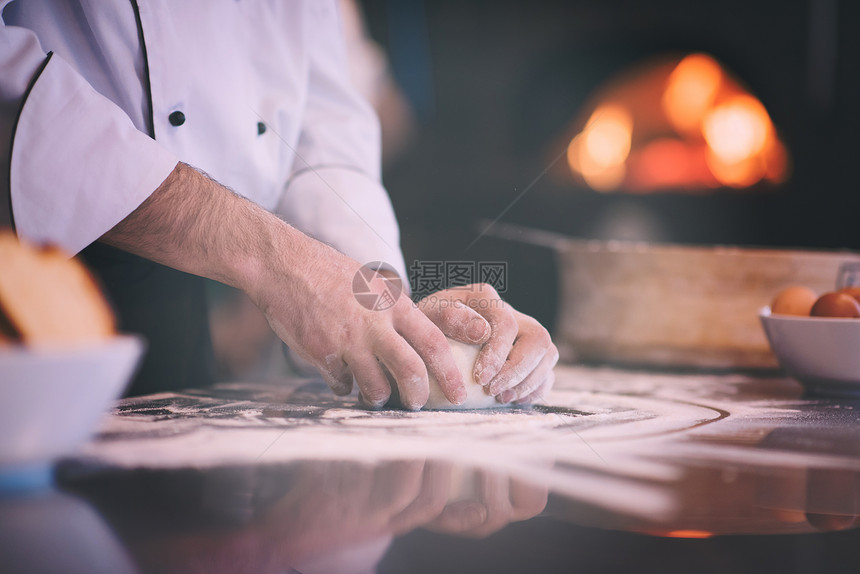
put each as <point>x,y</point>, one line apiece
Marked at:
<point>495,84</point>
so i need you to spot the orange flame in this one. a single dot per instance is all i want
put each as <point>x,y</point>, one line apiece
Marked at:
<point>691,90</point>
<point>600,151</point>
<point>737,132</point>
<point>696,128</point>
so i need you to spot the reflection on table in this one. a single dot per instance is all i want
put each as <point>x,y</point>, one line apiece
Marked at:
<point>621,469</point>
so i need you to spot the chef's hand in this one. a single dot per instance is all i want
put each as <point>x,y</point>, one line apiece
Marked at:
<point>491,502</point>
<point>336,504</point>
<point>468,502</point>
<point>304,287</point>
<point>310,304</point>
<point>517,357</point>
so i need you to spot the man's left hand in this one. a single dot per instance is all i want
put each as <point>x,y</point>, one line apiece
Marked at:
<point>518,355</point>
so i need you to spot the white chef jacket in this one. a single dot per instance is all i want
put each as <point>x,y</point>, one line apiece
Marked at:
<point>263,90</point>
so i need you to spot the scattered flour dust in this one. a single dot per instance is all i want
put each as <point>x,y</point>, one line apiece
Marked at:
<point>597,427</point>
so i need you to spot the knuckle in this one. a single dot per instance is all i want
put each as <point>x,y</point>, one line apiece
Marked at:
<point>486,289</point>
<point>553,354</point>
<point>508,322</point>
<point>544,338</point>
<point>534,332</point>
<point>415,315</point>
<point>404,307</point>
<point>381,333</point>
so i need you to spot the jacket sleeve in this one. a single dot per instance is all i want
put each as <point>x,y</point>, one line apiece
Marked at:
<point>72,165</point>
<point>335,193</point>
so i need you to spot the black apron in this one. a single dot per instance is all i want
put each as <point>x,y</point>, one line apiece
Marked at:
<point>168,308</point>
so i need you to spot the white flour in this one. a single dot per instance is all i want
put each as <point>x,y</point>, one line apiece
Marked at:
<point>612,438</point>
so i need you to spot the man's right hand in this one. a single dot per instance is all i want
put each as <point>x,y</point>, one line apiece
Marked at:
<point>306,294</point>
<point>304,287</point>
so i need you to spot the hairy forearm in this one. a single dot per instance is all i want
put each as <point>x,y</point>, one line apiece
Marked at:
<point>304,288</point>
<point>194,224</point>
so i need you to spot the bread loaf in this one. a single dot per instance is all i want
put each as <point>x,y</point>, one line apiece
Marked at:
<point>48,298</point>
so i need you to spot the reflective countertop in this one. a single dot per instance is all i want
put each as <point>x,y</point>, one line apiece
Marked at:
<point>619,471</point>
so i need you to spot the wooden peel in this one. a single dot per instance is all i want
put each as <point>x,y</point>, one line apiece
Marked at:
<point>676,305</point>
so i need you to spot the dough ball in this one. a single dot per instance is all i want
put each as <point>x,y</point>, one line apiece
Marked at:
<point>476,396</point>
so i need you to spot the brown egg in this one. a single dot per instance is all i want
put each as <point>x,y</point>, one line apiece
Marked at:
<point>836,305</point>
<point>853,291</point>
<point>794,300</point>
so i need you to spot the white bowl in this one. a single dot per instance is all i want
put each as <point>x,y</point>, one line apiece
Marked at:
<point>821,353</point>
<point>52,399</point>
